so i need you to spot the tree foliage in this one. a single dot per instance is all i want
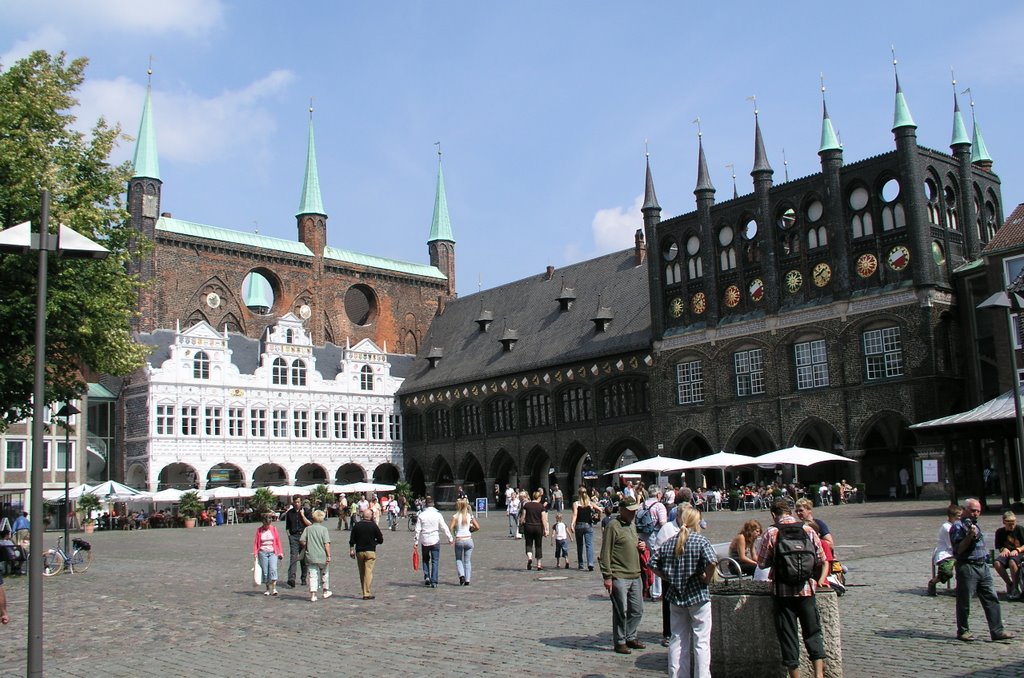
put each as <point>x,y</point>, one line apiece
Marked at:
<point>90,302</point>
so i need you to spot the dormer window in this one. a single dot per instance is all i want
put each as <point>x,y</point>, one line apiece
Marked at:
<point>603,318</point>
<point>201,366</point>
<point>566,297</point>
<point>508,339</point>
<point>434,356</point>
<point>484,320</point>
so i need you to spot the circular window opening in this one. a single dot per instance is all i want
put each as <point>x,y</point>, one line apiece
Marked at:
<point>750,230</point>
<point>859,198</point>
<point>931,191</point>
<point>671,250</point>
<point>258,293</point>
<point>725,236</point>
<point>786,219</point>
<point>937,253</point>
<point>693,245</point>
<point>950,196</point>
<point>360,305</point>
<point>890,190</point>
<point>814,211</point>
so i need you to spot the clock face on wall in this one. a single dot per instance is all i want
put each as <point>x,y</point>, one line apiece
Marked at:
<point>899,258</point>
<point>305,311</point>
<point>698,303</point>
<point>794,281</point>
<point>756,289</point>
<point>867,264</point>
<point>821,274</point>
<point>732,296</point>
<point>675,307</point>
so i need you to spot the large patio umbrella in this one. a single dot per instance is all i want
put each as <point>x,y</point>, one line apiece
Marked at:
<point>363,487</point>
<point>73,494</point>
<point>287,490</point>
<point>331,487</point>
<point>657,465</point>
<point>221,492</point>
<point>722,460</point>
<point>111,490</point>
<point>168,496</point>
<point>798,456</point>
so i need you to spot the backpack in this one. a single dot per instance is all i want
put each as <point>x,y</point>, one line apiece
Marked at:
<point>794,558</point>
<point>644,520</point>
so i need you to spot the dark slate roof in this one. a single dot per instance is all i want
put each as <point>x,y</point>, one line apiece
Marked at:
<point>1011,235</point>
<point>245,354</point>
<point>547,336</point>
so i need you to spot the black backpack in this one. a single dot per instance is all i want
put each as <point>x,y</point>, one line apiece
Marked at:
<point>795,558</point>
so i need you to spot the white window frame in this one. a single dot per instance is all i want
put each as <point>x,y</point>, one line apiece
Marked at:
<point>395,425</point>
<point>212,425</point>
<point>883,353</point>
<point>341,425</point>
<point>258,422</point>
<point>300,424</point>
<point>23,443</point>
<point>377,425</point>
<point>279,423</point>
<point>359,426</point>
<point>190,420</point>
<point>165,415</point>
<point>61,457</point>
<point>689,383</point>
<point>811,361</point>
<point>749,366</point>
<point>236,422</point>
<point>320,424</point>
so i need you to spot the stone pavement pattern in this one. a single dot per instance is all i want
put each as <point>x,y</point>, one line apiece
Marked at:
<point>177,602</point>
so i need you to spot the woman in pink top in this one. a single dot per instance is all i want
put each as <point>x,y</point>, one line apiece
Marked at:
<point>267,549</point>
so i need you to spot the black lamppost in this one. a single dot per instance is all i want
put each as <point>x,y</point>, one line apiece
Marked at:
<point>22,239</point>
<point>67,411</point>
<point>1013,304</point>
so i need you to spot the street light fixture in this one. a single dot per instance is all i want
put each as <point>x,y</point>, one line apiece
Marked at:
<point>67,411</point>
<point>1012,302</point>
<point>22,239</point>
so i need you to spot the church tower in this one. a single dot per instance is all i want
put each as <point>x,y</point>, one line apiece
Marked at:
<point>441,245</point>
<point>312,224</point>
<point>144,190</point>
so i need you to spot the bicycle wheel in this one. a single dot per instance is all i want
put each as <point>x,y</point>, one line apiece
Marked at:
<point>412,524</point>
<point>53,563</point>
<point>80,561</point>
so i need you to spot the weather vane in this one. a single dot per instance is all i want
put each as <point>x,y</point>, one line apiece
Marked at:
<point>438,144</point>
<point>696,121</point>
<point>753,98</point>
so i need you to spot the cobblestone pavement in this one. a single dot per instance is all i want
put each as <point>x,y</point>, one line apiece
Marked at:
<point>177,602</point>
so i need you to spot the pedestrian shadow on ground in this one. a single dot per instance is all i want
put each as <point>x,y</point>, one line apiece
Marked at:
<point>919,634</point>
<point>653,658</point>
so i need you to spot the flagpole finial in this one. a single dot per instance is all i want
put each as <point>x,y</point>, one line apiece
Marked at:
<point>310,108</point>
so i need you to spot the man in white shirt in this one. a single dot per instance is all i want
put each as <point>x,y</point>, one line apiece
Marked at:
<point>429,525</point>
<point>943,557</point>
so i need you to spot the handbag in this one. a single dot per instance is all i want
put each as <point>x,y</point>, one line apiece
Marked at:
<point>415,558</point>
<point>302,553</point>
<point>257,573</point>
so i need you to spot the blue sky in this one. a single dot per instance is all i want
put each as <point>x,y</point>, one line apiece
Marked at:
<point>541,108</point>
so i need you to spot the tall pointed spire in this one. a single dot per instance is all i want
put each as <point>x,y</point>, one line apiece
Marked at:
<point>959,129</point>
<point>703,176</point>
<point>760,156</point>
<point>829,140</point>
<point>901,116</point>
<point>979,152</point>
<point>145,162</point>
<point>441,225</point>
<point>650,199</point>
<point>311,202</point>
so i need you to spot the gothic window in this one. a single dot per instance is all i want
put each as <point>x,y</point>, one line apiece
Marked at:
<point>749,365</point>
<point>670,253</point>
<point>574,405</point>
<point>502,415</point>
<point>624,398</point>
<point>694,263</point>
<point>201,366</point>
<point>689,383</point>
<point>931,196</point>
<point>952,220</point>
<point>817,237</point>
<point>892,211</point>
<point>536,410</point>
<point>883,353</point>
<point>413,427</point>
<point>727,252</point>
<point>991,226</point>
<point>299,373</point>
<point>861,223</point>
<point>469,420</point>
<point>279,372</point>
<point>366,378</point>
<point>440,423</point>
<point>811,364</point>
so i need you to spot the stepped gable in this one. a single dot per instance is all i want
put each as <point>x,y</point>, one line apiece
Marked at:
<point>547,336</point>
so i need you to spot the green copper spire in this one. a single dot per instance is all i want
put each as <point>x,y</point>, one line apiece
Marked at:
<point>145,161</point>
<point>901,117</point>
<point>979,152</point>
<point>441,226</point>
<point>829,140</point>
<point>311,202</point>
<point>959,129</point>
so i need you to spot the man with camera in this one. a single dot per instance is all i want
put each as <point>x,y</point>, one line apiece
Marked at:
<point>972,574</point>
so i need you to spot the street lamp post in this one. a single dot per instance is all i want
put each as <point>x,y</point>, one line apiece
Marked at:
<point>21,239</point>
<point>1012,302</point>
<point>67,411</point>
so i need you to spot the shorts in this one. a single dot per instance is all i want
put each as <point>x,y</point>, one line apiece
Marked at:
<point>1005,560</point>
<point>944,570</point>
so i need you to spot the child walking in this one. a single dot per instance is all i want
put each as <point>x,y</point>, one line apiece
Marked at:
<point>560,537</point>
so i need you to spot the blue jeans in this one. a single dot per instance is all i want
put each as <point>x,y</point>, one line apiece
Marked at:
<point>430,555</point>
<point>464,558</point>
<point>268,565</point>
<point>584,533</point>
<point>513,524</point>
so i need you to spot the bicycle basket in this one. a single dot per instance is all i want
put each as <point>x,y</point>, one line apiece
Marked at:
<point>81,544</point>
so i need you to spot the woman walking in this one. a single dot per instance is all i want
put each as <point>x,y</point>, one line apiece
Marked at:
<point>267,550</point>
<point>688,563</point>
<point>316,539</point>
<point>583,512</point>
<point>463,526</point>
<point>535,529</point>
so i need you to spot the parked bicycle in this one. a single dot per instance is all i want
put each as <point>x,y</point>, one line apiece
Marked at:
<point>55,560</point>
<point>412,520</point>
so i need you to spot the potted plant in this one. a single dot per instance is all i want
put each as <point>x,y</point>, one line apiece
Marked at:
<point>262,501</point>
<point>189,506</point>
<point>862,492</point>
<point>734,500</point>
<point>320,497</point>
<point>404,489</point>
<point>86,504</point>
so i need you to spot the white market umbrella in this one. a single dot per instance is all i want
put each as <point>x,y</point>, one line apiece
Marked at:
<point>170,495</point>
<point>331,487</point>
<point>722,460</point>
<point>219,493</point>
<point>799,456</point>
<point>364,487</point>
<point>287,490</point>
<point>246,492</point>
<point>657,465</point>
<point>73,494</point>
<point>111,490</point>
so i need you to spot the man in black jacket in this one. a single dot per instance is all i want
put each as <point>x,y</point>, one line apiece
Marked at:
<point>363,547</point>
<point>296,519</point>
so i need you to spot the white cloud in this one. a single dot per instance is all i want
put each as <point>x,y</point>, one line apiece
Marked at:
<point>189,128</point>
<point>191,17</point>
<point>48,37</point>
<point>613,228</point>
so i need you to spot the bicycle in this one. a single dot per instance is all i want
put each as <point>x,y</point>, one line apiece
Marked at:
<point>55,560</point>
<point>412,520</point>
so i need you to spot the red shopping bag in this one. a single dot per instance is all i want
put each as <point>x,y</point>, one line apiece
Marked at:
<point>415,558</point>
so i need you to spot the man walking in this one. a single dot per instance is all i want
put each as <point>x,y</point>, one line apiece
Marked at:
<point>362,543</point>
<point>296,519</point>
<point>620,568</point>
<point>793,552</point>
<point>972,574</point>
<point>429,525</point>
